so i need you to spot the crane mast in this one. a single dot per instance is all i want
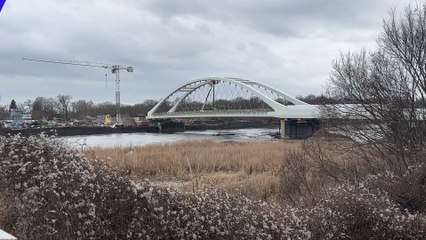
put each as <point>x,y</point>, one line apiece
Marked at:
<point>115,69</point>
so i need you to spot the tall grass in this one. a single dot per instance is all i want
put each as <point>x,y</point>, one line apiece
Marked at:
<point>252,168</point>
<point>204,157</point>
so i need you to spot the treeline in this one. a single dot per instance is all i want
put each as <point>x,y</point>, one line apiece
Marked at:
<point>64,108</point>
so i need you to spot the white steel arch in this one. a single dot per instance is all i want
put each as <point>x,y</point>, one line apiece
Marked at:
<point>300,109</point>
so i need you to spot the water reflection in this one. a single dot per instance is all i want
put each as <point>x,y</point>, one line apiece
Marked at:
<point>139,139</point>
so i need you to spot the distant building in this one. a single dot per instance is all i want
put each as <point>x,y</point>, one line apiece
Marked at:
<point>18,119</point>
<point>17,115</point>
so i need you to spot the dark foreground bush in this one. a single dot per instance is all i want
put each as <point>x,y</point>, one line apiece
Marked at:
<point>52,192</point>
<point>408,190</point>
<point>348,212</point>
<point>343,200</point>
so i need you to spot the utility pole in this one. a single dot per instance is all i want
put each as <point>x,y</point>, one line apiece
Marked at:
<point>114,69</point>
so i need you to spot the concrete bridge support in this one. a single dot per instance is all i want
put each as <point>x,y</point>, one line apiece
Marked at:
<point>282,128</point>
<point>170,126</point>
<point>298,128</point>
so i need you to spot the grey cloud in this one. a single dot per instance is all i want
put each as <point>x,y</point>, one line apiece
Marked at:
<point>287,44</point>
<point>291,18</point>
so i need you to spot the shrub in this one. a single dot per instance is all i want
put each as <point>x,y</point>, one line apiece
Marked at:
<point>52,192</point>
<point>340,200</point>
<point>408,190</point>
<point>57,193</point>
<point>316,166</point>
<point>295,178</point>
<point>349,212</point>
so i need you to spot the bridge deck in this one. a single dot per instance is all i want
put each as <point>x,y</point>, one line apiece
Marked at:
<point>298,112</point>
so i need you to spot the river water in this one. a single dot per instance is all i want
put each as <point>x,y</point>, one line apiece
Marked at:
<point>140,139</point>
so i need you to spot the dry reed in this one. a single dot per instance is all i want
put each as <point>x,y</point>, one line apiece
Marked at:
<point>170,161</point>
<point>252,168</point>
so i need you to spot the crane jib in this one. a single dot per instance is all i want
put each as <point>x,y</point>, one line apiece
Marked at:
<point>114,68</point>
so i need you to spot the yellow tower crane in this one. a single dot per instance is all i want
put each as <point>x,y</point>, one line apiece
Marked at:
<point>114,69</point>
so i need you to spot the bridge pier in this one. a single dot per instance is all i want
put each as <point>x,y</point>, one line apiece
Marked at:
<point>298,128</point>
<point>282,128</point>
<point>170,126</point>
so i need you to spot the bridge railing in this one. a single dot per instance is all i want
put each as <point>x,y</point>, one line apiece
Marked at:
<point>215,112</point>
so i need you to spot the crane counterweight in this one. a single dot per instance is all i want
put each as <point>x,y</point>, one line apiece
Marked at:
<point>114,69</point>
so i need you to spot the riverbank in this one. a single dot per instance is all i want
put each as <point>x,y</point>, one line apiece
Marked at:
<point>73,131</point>
<point>164,127</point>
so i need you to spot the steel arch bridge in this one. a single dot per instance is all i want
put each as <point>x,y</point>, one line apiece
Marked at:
<point>222,97</point>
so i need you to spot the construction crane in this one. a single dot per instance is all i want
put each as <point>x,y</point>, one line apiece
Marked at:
<point>114,69</point>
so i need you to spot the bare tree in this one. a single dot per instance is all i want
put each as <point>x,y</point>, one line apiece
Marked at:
<point>82,108</point>
<point>387,88</point>
<point>43,108</point>
<point>27,105</point>
<point>64,105</point>
<point>3,113</point>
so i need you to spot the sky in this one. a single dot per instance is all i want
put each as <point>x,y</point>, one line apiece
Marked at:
<point>287,44</point>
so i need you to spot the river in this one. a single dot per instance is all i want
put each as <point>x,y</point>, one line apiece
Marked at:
<point>140,139</point>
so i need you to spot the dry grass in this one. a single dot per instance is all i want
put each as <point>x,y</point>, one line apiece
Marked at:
<point>252,168</point>
<point>176,161</point>
<point>276,171</point>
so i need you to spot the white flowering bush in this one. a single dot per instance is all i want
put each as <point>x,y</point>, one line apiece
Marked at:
<point>52,192</point>
<point>408,190</point>
<point>340,203</point>
<point>356,212</point>
<point>57,193</point>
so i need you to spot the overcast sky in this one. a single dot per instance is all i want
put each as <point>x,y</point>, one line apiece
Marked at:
<point>288,44</point>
